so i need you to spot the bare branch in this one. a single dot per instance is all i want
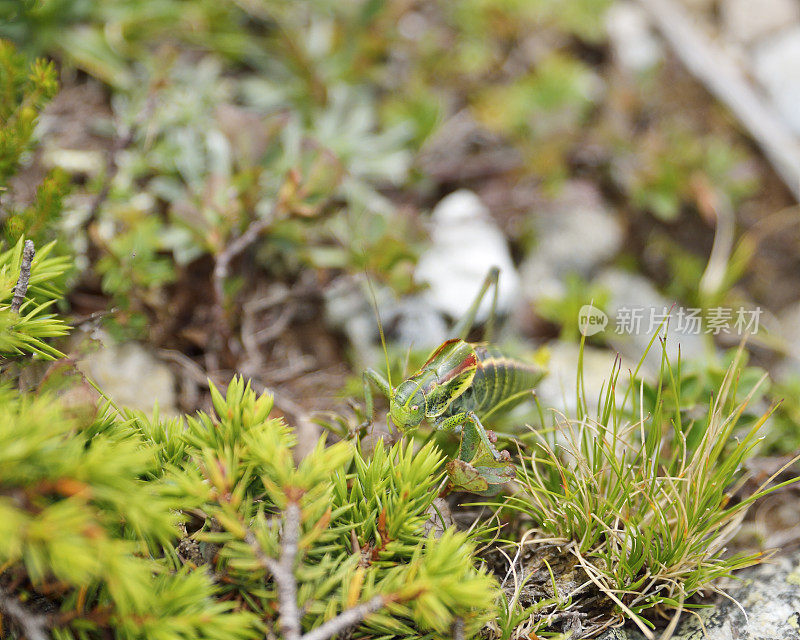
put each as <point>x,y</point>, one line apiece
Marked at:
<point>724,79</point>
<point>196,373</point>
<point>21,289</point>
<point>458,628</point>
<point>282,570</point>
<point>347,619</point>
<point>33,625</point>
<point>284,578</point>
<point>220,341</point>
<point>224,259</point>
<point>121,142</point>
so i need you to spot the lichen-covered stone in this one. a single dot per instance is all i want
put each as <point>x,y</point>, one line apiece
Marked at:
<point>770,596</point>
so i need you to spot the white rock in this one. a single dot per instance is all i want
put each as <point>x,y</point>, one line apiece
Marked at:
<point>419,325</point>
<point>131,376</point>
<point>750,20</point>
<point>776,63</point>
<point>75,161</point>
<point>465,245</point>
<point>576,236</point>
<point>557,390</point>
<point>633,42</point>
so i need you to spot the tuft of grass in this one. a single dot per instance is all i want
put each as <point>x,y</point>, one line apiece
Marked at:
<point>643,497</point>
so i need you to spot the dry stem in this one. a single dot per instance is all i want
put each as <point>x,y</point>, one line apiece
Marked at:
<point>346,619</point>
<point>21,289</point>
<point>458,629</point>
<point>223,260</point>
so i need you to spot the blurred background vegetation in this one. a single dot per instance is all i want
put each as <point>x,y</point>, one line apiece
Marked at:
<point>338,126</point>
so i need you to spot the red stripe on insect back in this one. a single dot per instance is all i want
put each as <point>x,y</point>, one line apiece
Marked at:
<point>439,351</point>
<point>469,362</point>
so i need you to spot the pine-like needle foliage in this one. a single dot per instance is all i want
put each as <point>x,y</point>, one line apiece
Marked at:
<point>24,90</point>
<point>362,531</point>
<point>82,534</point>
<point>131,527</point>
<point>25,331</point>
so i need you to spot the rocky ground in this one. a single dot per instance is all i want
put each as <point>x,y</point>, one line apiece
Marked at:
<point>764,605</point>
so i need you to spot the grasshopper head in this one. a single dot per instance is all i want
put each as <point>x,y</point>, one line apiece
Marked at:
<point>407,406</point>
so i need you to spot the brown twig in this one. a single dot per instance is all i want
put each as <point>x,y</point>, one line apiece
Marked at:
<point>21,288</point>
<point>224,258</point>
<point>220,340</point>
<point>727,83</point>
<point>202,377</point>
<point>33,625</point>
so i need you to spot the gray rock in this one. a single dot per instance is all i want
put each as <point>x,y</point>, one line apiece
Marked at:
<point>635,311</point>
<point>748,21</point>
<point>633,42</point>
<point>775,63</point>
<point>75,161</point>
<point>770,596</point>
<point>576,235</point>
<point>348,309</point>
<point>789,322</point>
<point>466,243</point>
<point>131,376</point>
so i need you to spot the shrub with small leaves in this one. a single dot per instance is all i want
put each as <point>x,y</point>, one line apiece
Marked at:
<point>26,318</point>
<point>24,91</point>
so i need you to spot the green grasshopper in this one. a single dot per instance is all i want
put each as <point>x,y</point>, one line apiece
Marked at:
<point>459,386</point>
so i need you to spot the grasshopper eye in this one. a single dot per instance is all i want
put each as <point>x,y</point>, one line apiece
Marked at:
<point>414,407</point>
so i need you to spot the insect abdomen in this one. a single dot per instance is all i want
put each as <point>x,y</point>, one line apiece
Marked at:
<point>498,378</point>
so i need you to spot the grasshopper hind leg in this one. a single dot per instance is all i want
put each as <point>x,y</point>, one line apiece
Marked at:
<point>480,468</point>
<point>482,438</point>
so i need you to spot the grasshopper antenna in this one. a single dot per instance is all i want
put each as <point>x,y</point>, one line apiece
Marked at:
<point>380,326</point>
